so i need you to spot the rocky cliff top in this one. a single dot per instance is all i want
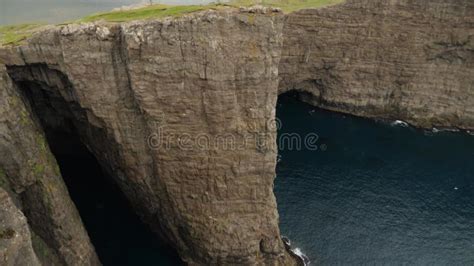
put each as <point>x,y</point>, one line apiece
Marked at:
<point>17,34</point>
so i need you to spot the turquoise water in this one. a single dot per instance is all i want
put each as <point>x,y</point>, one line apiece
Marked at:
<point>378,194</point>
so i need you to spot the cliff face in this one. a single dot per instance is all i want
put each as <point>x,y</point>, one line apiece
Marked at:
<point>29,172</point>
<point>180,111</point>
<point>173,110</point>
<point>15,236</point>
<point>410,60</point>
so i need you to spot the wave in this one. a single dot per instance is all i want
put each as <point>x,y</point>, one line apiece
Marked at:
<point>296,252</point>
<point>399,123</point>
<point>441,130</point>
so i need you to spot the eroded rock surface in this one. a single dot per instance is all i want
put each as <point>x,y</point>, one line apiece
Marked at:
<point>30,172</point>
<point>408,60</point>
<point>180,111</point>
<point>145,97</point>
<point>15,237</point>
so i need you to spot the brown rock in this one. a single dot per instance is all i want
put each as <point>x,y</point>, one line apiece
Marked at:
<point>29,171</point>
<point>15,237</point>
<point>179,111</point>
<point>207,76</point>
<point>407,60</point>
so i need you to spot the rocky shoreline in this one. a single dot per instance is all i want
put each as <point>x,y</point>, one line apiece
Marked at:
<point>301,258</point>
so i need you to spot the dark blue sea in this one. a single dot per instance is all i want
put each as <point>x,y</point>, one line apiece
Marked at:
<point>374,193</point>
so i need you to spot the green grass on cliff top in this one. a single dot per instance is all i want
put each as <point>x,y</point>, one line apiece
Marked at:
<point>287,5</point>
<point>149,12</point>
<point>15,34</point>
<point>159,11</point>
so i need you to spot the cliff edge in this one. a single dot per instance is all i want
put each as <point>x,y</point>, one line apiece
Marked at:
<point>180,111</point>
<point>156,103</point>
<point>405,60</point>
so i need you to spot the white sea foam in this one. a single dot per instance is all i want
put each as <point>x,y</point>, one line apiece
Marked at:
<point>400,123</point>
<point>302,256</point>
<point>298,252</point>
<point>446,130</point>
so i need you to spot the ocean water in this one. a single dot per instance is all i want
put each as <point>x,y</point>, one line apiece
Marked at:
<point>374,193</point>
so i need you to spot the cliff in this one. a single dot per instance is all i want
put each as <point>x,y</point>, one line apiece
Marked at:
<point>180,111</point>
<point>15,237</point>
<point>28,171</point>
<point>125,87</point>
<point>407,60</point>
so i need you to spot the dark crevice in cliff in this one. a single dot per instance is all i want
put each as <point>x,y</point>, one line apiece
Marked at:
<point>117,233</point>
<point>115,230</point>
<point>302,96</point>
<point>46,242</point>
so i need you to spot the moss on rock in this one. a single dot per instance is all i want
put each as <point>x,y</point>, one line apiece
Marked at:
<point>38,170</point>
<point>3,180</point>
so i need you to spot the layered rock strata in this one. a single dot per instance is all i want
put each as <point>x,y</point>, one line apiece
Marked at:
<point>180,112</point>
<point>408,60</point>
<point>173,110</point>
<point>30,173</point>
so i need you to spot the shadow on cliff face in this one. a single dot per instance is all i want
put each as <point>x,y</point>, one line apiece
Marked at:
<point>117,233</point>
<point>120,238</point>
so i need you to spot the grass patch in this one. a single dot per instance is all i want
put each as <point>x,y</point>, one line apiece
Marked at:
<point>287,5</point>
<point>160,11</point>
<point>15,34</point>
<point>149,12</point>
